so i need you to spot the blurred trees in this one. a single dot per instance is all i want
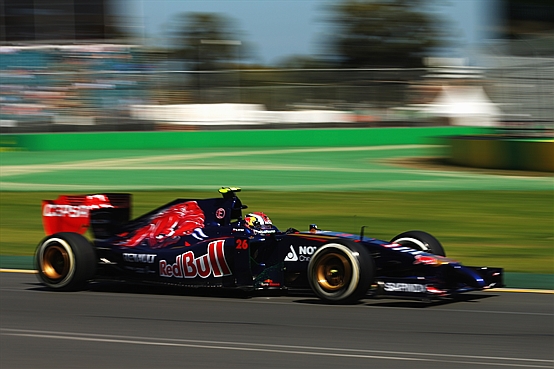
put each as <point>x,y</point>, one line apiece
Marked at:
<point>361,34</point>
<point>206,40</point>
<point>381,33</point>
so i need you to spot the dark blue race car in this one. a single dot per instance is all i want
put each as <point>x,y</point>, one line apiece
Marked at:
<point>210,243</point>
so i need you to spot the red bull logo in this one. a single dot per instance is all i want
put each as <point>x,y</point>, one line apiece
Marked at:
<point>187,265</point>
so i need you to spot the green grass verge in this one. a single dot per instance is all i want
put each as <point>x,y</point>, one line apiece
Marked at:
<point>509,229</point>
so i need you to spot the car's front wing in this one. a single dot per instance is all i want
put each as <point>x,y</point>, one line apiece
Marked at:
<point>457,280</point>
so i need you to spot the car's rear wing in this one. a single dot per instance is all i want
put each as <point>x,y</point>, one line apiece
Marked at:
<point>68,213</point>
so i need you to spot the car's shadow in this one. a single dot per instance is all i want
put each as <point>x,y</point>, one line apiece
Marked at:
<point>403,302</point>
<point>300,297</point>
<point>150,289</point>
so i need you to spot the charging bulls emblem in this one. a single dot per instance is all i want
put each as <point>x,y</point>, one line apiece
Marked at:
<point>168,226</point>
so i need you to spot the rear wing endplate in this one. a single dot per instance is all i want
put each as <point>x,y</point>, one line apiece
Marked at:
<point>70,213</point>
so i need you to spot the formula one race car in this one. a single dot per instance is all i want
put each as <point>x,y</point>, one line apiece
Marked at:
<point>209,243</point>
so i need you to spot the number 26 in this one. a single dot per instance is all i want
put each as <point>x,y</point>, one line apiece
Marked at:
<point>242,244</point>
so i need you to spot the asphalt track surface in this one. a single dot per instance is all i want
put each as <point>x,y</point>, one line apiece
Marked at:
<point>114,326</point>
<point>287,169</point>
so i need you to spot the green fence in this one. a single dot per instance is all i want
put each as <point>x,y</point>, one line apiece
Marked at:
<point>239,138</point>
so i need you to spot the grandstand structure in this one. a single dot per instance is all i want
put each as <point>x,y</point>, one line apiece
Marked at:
<point>50,88</point>
<point>58,21</point>
<point>63,67</point>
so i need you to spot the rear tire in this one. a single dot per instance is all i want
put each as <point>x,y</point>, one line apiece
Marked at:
<point>420,240</point>
<point>341,273</point>
<point>65,261</point>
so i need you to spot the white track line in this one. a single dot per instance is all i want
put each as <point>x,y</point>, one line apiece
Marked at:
<point>9,170</point>
<point>288,349</point>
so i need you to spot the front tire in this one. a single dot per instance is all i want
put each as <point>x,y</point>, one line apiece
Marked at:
<point>420,240</point>
<point>65,261</point>
<point>341,273</point>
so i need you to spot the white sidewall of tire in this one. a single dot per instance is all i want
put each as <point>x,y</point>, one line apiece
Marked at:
<point>422,245</point>
<point>355,271</point>
<point>63,243</point>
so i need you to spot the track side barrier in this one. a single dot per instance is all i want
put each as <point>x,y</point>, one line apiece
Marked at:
<point>240,138</point>
<point>499,152</point>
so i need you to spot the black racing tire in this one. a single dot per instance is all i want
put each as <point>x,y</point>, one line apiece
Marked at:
<point>420,240</point>
<point>65,261</point>
<point>341,272</point>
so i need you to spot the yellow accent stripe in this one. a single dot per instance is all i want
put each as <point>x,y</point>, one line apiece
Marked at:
<point>23,271</point>
<point>527,290</point>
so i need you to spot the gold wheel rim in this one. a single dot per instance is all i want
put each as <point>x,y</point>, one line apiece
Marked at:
<point>55,262</point>
<point>333,272</point>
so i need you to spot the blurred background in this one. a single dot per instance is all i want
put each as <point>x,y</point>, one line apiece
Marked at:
<point>122,65</point>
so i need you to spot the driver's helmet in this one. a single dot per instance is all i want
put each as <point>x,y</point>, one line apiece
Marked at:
<point>259,223</point>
